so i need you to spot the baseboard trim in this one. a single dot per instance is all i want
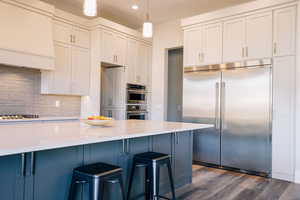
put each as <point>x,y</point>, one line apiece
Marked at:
<point>283,176</point>
<point>297,176</point>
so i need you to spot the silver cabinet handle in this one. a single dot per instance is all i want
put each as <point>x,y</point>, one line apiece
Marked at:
<point>275,48</point>
<point>243,52</point>
<point>223,104</point>
<point>74,39</point>
<point>176,138</point>
<point>217,107</point>
<point>128,146</point>
<point>32,172</point>
<point>71,38</point>
<point>124,150</point>
<point>199,57</point>
<point>23,164</point>
<point>203,57</point>
<point>246,51</point>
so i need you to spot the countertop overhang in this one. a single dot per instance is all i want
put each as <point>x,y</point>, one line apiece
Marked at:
<point>18,138</point>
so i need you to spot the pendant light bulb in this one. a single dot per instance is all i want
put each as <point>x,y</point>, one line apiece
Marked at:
<point>147,26</point>
<point>147,29</point>
<point>90,8</point>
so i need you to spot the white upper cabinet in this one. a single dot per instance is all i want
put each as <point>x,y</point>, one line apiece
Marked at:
<point>131,60</point>
<point>113,48</point>
<point>120,50</point>
<point>80,71</point>
<point>284,31</point>
<point>234,40</point>
<point>107,47</point>
<point>193,47</point>
<point>258,36</point>
<point>72,35</point>
<point>143,64</point>
<point>62,32</point>
<point>138,61</point>
<point>81,37</point>
<point>72,62</point>
<point>248,37</point>
<point>59,80</point>
<point>212,44</point>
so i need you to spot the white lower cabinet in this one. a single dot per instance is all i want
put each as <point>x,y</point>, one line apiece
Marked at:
<point>113,87</point>
<point>117,114</point>
<point>72,72</point>
<point>283,118</point>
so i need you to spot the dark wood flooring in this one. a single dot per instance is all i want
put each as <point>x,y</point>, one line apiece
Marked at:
<point>215,184</point>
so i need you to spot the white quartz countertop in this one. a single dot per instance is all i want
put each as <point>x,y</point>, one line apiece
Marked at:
<point>36,136</point>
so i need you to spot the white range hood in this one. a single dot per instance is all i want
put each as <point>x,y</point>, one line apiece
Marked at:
<point>26,34</point>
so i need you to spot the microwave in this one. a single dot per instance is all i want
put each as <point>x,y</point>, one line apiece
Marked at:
<point>136,94</point>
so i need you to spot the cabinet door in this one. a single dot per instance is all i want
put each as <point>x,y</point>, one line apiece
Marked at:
<point>107,81</point>
<point>62,32</point>
<point>283,117</point>
<point>285,31</point>
<point>106,152</point>
<point>135,146</point>
<point>61,81</point>
<point>81,37</point>
<point>142,68</point>
<point>183,158</point>
<point>107,47</point>
<point>212,44</point>
<point>53,172</point>
<point>80,71</point>
<point>164,144</point>
<point>119,87</point>
<point>193,47</point>
<point>149,72</point>
<point>118,114</point>
<point>234,40</point>
<point>131,60</point>
<point>120,50</point>
<point>259,36</point>
<point>12,184</point>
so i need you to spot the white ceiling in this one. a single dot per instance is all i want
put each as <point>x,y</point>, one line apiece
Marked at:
<point>160,10</point>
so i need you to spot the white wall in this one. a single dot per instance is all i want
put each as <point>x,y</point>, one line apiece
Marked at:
<point>166,36</point>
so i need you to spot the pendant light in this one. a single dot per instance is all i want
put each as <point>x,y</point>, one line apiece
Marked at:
<point>147,26</point>
<point>90,8</point>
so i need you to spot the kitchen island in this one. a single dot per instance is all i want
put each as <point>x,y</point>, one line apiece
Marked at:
<point>37,158</point>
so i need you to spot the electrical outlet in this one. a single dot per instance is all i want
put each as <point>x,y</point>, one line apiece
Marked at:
<point>57,104</point>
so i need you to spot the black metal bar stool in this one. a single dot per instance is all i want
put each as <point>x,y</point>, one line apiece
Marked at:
<point>152,162</point>
<point>96,175</point>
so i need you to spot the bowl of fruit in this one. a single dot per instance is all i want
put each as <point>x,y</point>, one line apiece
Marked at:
<point>99,121</point>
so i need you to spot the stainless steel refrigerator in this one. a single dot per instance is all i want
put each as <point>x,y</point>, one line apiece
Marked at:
<point>237,99</point>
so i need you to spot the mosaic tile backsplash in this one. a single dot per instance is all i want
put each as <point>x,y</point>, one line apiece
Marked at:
<point>20,94</point>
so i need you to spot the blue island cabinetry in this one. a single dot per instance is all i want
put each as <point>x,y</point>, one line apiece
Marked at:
<point>46,175</point>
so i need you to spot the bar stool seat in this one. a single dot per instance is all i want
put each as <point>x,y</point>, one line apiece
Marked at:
<point>96,175</point>
<point>152,161</point>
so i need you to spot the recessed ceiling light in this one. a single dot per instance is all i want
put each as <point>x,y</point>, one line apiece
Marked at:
<point>135,7</point>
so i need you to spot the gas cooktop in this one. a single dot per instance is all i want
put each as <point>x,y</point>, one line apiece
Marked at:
<point>18,116</point>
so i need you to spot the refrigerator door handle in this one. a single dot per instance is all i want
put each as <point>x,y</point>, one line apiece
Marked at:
<point>217,107</point>
<point>223,99</point>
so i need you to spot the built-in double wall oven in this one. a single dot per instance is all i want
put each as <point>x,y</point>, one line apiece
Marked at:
<point>136,107</point>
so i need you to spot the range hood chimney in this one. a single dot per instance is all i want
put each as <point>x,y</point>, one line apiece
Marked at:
<point>26,36</point>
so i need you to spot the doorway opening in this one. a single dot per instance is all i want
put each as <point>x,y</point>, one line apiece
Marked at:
<point>175,83</point>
